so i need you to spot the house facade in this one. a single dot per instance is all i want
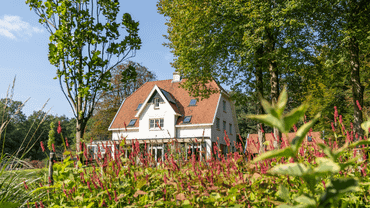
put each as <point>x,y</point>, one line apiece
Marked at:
<point>161,112</point>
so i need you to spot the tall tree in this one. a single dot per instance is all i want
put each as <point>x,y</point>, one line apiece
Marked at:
<point>84,36</point>
<point>111,100</point>
<point>235,42</point>
<point>343,26</point>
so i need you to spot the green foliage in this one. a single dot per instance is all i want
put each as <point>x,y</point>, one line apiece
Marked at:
<point>51,136</point>
<point>310,174</point>
<point>84,36</point>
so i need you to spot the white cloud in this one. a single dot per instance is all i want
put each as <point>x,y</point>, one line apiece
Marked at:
<point>13,27</point>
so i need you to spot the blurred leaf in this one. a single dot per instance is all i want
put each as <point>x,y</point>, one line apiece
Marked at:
<point>291,169</point>
<point>286,152</point>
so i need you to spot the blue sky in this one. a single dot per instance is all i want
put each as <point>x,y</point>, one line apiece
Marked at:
<point>24,49</point>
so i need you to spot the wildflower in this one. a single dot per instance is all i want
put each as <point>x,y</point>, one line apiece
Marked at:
<point>41,205</point>
<point>323,182</point>
<point>332,127</point>
<point>358,105</point>
<point>59,129</point>
<point>42,146</point>
<point>115,196</point>
<point>25,185</point>
<point>52,145</point>
<point>67,142</point>
<point>295,128</point>
<point>262,129</point>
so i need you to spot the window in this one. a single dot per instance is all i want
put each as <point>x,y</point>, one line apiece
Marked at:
<point>132,122</point>
<point>156,102</point>
<point>309,139</point>
<point>193,102</point>
<point>153,123</point>
<point>230,129</point>
<point>139,106</point>
<point>187,119</point>
<point>224,105</point>
<point>224,125</point>
<point>218,123</point>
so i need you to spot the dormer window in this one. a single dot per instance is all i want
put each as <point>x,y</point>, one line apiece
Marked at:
<point>187,119</point>
<point>132,122</point>
<point>139,106</point>
<point>156,102</point>
<point>193,102</point>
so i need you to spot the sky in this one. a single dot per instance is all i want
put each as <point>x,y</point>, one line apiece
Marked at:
<point>24,48</point>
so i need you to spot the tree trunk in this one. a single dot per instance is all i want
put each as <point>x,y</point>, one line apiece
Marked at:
<point>259,86</point>
<point>274,80</point>
<point>357,89</point>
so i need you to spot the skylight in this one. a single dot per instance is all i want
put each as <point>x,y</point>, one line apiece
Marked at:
<point>168,96</point>
<point>187,119</point>
<point>193,102</point>
<point>139,106</point>
<point>132,122</point>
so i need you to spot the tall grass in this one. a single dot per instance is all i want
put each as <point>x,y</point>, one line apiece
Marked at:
<point>12,193</point>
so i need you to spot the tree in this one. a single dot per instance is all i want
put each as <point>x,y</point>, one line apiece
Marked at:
<point>111,100</point>
<point>343,27</point>
<point>236,43</point>
<point>84,37</point>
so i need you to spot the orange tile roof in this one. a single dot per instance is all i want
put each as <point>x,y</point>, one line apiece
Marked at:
<point>203,112</point>
<point>253,140</point>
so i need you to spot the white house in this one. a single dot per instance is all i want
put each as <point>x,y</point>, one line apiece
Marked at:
<point>160,112</point>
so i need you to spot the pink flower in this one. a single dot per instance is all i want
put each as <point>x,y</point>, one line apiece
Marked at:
<point>358,105</point>
<point>335,114</point>
<point>25,185</point>
<point>332,127</point>
<point>59,129</point>
<point>323,182</point>
<point>67,142</point>
<point>52,145</point>
<point>42,146</point>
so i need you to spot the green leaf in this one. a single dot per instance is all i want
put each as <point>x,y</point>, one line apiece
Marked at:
<point>286,152</point>
<point>293,117</point>
<point>358,143</point>
<point>338,186</point>
<point>292,169</point>
<point>302,132</point>
<point>326,166</point>
<point>281,103</point>
<point>268,119</point>
<point>283,193</point>
<point>305,200</point>
<point>365,126</point>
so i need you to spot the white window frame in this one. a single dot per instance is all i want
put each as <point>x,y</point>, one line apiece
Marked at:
<point>155,120</point>
<point>156,102</point>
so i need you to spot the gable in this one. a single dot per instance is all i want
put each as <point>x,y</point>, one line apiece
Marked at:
<point>178,98</point>
<point>155,95</point>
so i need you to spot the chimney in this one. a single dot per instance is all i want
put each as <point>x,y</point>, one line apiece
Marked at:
<point>176,77</point>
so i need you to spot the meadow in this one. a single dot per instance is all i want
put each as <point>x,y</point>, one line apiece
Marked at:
<point>333,174</point>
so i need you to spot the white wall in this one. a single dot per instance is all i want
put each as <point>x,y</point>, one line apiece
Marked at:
<point>193,131</point>
<point>224,116</point>
<point>143,132</point>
